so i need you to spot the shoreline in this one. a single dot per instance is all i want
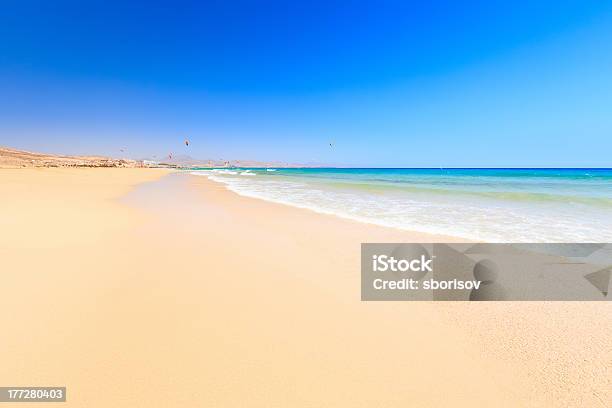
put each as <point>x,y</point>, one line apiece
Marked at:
<point>171,290</point>
<point>417,236</point>
<point>422,236</point>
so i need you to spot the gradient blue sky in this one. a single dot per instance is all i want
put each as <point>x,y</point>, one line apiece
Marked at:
<point>438,83</point>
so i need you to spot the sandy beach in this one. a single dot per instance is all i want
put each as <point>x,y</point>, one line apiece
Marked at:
<point>153,288</point>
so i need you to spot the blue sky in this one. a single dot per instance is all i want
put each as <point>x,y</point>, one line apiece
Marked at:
<point>439,83</point>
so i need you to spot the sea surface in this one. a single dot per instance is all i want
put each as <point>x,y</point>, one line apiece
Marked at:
<point>489,205</point>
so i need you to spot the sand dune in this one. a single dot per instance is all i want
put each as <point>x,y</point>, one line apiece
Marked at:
<point>12,158</point>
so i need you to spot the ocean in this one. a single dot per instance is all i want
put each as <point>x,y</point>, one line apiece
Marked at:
<point>488,205</point>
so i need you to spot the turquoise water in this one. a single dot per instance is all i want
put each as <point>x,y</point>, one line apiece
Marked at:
<point>494,205</point>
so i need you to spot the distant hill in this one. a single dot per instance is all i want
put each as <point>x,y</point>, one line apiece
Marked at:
<point>12,158</point>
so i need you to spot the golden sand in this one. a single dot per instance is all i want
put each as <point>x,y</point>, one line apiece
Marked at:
<point>179,293</point>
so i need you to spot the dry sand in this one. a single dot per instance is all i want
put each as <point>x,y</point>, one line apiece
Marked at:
<point>180,293</point>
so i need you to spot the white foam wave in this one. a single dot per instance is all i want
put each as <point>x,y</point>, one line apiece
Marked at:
<point>223,171</point>
<point>477,220</point>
